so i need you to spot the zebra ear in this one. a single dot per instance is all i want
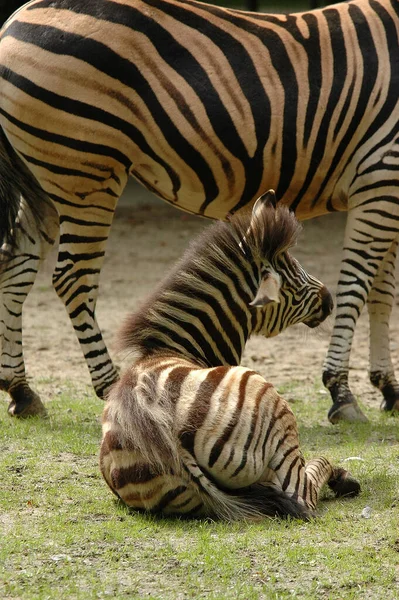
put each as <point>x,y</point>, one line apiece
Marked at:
<point>268,291</point>
<point>265,200</point>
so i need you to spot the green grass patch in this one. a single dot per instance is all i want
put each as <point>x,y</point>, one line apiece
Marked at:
<point>62,534</point>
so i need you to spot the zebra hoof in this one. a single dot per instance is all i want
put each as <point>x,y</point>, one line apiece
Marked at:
<point>392,407</point>
<point>346,412</point>
<point>28,407</point>
<point>343,484</point>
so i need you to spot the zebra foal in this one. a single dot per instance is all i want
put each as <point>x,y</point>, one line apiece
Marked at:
<point>187,430</point>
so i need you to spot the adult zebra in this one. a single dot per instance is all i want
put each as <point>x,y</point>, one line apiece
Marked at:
<point>207,107</point>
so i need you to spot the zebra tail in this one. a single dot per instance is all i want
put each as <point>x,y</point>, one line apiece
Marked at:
<point>16,181</point>
<point>145,426</point>
<point>251,503</point>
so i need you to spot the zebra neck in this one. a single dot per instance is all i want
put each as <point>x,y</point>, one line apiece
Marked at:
<point>202,313</point>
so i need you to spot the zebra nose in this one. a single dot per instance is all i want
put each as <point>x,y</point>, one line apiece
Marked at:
<point>327,302</point>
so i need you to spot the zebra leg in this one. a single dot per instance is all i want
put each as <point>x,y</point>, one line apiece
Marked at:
<point>286,468</point>
<point>76,278</point>
<point>365,247</point>
<point>16,283</point>
<point>379,304</point>
<point>17,277</point>
<point>320,471</point>
<point>304,481</point>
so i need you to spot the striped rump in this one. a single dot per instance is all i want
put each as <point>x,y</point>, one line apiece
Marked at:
<point>188,431</point>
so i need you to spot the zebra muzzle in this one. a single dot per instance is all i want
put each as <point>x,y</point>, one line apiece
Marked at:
<point>327,306</point>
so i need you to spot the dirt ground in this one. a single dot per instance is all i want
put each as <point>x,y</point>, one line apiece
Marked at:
<point>146,238</point>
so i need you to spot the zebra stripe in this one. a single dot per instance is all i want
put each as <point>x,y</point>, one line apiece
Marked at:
<point>185,432</point>
<point>207,107</point>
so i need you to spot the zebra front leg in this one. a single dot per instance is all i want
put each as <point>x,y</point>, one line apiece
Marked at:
<point>380,303</point>
<point>287,468</point>
<point>365,247</point>
<point>17,277</point>
<point>304,481</point>
<point>320,471</point>
<point>76,280</point>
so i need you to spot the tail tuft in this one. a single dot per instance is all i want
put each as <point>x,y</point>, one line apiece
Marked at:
<point>269,501</point>
<point>146,425</point>
<point>251,503</point>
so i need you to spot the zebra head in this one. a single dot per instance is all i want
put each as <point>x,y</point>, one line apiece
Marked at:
<point>286,293</point>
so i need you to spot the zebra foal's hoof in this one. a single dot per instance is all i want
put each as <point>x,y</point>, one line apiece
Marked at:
<point>346,412</point>
<point>343,484</point>
<point>28,407</point>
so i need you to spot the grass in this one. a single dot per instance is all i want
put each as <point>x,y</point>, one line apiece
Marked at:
<point>62,534</point>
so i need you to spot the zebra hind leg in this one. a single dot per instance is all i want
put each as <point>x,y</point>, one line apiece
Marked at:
<point>17,276</point>
<point>380,302</point>
<point>365,249</point>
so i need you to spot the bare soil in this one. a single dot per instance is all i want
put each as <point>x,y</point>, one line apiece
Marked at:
<point>146,238</point>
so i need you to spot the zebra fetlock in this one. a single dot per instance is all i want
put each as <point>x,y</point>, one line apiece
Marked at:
<point>389,387</point>
<point>186,430</point>
<point>345,406</point>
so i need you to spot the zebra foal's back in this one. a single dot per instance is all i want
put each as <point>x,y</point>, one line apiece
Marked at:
<point>186,431</point>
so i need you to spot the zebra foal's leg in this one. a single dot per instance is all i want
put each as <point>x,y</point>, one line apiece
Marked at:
<point>320,471</point>
<point>365,248</point>
<point>17,277</point>
<point>76,278</point>
<point>379,304</point>
<point>278,450</point>
<point>304,481</point>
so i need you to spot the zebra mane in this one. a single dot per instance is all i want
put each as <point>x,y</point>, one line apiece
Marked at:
<point>267,233</point>
<point>234,248</point>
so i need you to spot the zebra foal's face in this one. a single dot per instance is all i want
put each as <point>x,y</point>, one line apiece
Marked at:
<point>288,294</point>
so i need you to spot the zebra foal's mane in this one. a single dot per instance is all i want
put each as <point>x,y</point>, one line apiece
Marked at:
<point>232,249</point>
